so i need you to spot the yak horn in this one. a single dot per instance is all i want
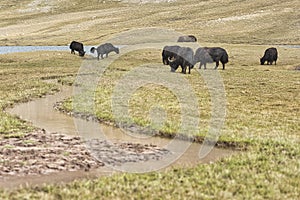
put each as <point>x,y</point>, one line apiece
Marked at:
<point>171,60</point>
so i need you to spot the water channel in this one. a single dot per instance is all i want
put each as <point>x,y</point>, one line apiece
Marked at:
<point>40,113</point>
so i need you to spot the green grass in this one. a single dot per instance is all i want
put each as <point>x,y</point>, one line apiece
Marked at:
<point>262,102</point>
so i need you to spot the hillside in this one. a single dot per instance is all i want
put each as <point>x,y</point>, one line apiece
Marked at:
<point>56,22</point>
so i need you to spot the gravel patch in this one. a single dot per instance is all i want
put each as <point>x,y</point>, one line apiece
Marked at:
<point>116,154</point>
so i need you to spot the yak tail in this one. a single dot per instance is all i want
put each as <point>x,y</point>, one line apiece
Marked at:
<point>224,58</point>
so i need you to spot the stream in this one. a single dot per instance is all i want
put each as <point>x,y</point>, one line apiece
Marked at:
<point>40,113</point>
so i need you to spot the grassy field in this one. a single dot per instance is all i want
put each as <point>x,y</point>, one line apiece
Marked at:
<point>262,102</point>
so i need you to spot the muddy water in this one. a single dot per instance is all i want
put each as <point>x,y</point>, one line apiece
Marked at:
<point>41,113</point>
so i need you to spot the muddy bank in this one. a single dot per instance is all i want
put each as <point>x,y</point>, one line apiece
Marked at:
<point>58,155</point>
<point>43,153</point>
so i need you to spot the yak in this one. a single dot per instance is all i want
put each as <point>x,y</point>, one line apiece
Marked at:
<point>184,58</point>
<point>187,38</point>
<point>77,46</point>
<point>270,56</point>
<point>209,55</point>
<point>105,48</point>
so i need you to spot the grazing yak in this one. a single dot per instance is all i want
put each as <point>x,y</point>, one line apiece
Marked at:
<point>168,53</point>
<point>270,56</point>
<point>187,38</point>
<point>77,46</point>
<point>184,57</point>
<point>209,55</point>
<point>105,49</point>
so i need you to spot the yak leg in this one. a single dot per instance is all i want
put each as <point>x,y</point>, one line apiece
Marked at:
<point>183,69</point>
<point>165,61</point>
<point>223,65</point>
<point>202,64</point>
<point>217,64</point>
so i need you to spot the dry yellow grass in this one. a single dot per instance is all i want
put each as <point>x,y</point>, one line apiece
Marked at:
<point>59,22</point>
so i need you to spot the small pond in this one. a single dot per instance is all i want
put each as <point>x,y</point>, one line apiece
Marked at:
<point>16,49</point>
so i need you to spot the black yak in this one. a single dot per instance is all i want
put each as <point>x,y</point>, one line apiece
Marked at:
<point>184,58</point>
<point>105,49</point>
<point>270,56</point>
<point>77,46</point>
<point>209,55</point>
<point>187,38</point>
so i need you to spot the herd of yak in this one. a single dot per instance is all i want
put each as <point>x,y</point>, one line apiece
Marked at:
<point>176,56</point>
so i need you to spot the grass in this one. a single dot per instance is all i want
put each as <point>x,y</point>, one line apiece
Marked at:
<point>262,102</point>
<point>257,104</point>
